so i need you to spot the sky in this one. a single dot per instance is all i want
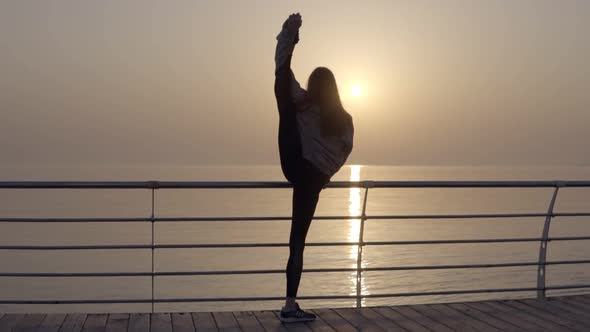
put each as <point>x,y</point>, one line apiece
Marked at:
<point>454,82</point>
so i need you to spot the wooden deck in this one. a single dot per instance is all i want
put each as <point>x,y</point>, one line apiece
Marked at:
<point>571,313</point>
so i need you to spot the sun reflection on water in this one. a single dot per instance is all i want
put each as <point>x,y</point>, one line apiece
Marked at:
<point>354,210</point>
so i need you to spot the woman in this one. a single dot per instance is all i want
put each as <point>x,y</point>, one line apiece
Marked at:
<point>315,138</point>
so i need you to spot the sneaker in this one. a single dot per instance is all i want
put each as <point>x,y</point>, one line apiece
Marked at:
<point>296,315</point>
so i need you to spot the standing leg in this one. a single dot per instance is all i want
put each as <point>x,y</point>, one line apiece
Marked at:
<point>305,199</point>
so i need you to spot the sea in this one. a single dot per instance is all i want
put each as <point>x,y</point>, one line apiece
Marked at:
<point>129,203</point>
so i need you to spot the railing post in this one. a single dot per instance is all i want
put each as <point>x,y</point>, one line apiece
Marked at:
<point>541,272</point>
<point>359,257</point>
<point>154,186</point>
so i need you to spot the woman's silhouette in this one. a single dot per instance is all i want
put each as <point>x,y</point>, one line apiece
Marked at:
<point>315,138</point>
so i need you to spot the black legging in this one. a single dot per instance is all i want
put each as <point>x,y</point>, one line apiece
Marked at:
<point>307,180</point>
<point>305,199</point>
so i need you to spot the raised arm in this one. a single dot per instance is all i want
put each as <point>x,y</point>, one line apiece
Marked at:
<point>286,85</point>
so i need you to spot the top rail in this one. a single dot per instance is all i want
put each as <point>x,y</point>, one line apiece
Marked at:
<point>281,184</point>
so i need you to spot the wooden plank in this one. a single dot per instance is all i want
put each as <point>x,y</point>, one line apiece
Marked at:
<point>422,319</point>
<point>139,322</point>
<point>528,322</point>
<point>182,322</point>
<point>574,301</point>
<point>567,298</point>
<point>95,323</point>
<point>498,315</point>
<point>247,321</point>
<point>269,321</point>
<point>559,313</point>
<point>444,317</point>
<point>334,320</point>
<point>578,300</point>
<point>161,322</point>
<point>581,311</point>
<point>29,323</point>
<point>577,305</point>
<point>480,317</point>
<point>8,321</point>
<point>117,323</point>
<point>73,323</point>
<point>319,325</point>
<point>400,319</point>
<point>226,322</point>
<point>379,320</point>
<point>51,323</point>
<point>554,314</point>
<point>584,298</point>
<point>453,319</point>
<point>204,321</point>
<point>357,320</point>
<point>542,315</point>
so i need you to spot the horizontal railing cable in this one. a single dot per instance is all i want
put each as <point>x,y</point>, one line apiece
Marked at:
<point>458,216</point>
<point>272,245</point>
<point>272,218</point>
<point>73,220</point>
<point>286,218</point>
<point>279,271</point>
<point>279,298</point>
<point>280,184</point>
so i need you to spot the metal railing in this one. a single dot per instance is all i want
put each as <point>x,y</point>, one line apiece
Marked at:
<point>153,186</point>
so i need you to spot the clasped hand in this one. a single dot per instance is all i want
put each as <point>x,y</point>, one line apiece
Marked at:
<point>293,22</point>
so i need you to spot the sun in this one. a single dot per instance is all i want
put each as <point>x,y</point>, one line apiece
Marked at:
<point>356,90</point>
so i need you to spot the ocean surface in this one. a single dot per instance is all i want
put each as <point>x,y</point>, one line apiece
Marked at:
<point>277,202</point>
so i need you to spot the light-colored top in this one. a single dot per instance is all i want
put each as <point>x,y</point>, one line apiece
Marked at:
<point>327,153</point>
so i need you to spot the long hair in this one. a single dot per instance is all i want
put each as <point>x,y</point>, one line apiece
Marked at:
<point>323,92</point>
